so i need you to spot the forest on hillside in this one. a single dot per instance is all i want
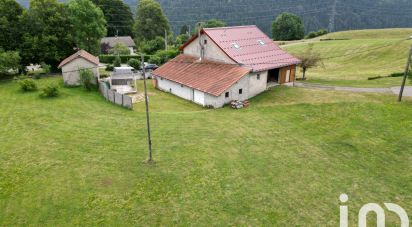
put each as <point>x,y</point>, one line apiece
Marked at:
<point>334,15</point>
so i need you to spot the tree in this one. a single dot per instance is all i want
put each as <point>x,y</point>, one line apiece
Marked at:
<point>150,21</point>
<point>151,46</point>
<point>117,61</point>
<point>46,33</point>
<point>89,25</point>
<point>212,23</point>
<point>9,62</point>
<point>120,48</point>
<point>118,16</point>
<point>10,32</point>
<point>105,48</point>
<point>133,62</point>
<point>184,29</point>
<point>309,59</point>
<point>162,56</point>
<point>182,39</point>
<point>288,26</point>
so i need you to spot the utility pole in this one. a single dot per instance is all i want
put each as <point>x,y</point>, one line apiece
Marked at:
<point>405,75</point>
<point>149,140</point>
<point>333,17</point>
<point>165,39</point>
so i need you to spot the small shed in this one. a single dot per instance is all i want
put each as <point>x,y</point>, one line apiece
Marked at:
<point>72,66</point>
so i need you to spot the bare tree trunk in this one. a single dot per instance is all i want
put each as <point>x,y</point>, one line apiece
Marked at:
<point>304,74</point>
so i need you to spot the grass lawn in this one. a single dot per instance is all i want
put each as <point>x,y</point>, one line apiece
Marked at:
<point>78,160</point>
<point>368,53</point>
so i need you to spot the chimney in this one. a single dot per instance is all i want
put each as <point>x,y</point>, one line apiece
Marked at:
<point>201,43</point>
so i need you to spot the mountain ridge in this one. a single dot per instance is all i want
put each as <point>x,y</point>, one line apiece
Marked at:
<point>316,14</point>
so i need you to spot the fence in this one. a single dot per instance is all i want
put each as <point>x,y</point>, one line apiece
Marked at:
<point>114,97</point>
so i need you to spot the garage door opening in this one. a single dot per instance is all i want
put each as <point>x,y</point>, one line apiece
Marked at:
<point>273,76</point>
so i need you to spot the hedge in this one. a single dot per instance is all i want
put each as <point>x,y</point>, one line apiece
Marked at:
<point>108,59</point>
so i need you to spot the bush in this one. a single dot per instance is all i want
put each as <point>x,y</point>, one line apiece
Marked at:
<point>117,62</point>
<point>109,68</point>
<point>134,63</point>
<point>45,67</point>
<point>51,90</point>
<point>86,79</point>
<point>120,48</point>
<point>312,35</point>
<point>27,85</point>
<point>35,74</point>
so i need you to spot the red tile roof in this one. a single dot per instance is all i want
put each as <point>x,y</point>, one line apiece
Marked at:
<point>80,54</point>
<point>208,76</point>
<point>256,49</point>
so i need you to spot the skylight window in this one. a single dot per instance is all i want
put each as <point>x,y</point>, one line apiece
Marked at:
<point>261,42</point>
<point>235,45</point>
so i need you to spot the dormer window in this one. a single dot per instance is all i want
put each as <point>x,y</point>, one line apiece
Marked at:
<point>236,46</point>
<point>261,42</point>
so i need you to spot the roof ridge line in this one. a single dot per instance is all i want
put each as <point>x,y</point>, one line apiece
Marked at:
<point>230,27</point>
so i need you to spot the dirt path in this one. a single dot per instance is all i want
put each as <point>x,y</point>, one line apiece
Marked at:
<point>392,90</point>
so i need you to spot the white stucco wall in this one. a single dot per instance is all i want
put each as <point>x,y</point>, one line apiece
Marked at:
<point>212,51</point>
<point>199,97</point>
<point>250,85</point>
<point>71,71</point>
<point>175,88</point>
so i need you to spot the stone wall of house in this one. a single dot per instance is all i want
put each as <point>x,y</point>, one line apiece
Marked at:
<point>233,94</point>
<point>257,83</point>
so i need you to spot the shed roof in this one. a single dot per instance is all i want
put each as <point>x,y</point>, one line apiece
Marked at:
<point>112,41</point>
<point>80,54</point>
<point>211,77</point>
<point>248,45</point>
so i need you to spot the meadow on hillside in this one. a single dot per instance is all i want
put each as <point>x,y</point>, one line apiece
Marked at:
<point>79,160</point>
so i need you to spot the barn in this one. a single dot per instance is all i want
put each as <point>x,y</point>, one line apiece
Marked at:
<point>220,65</point>
<point>72,66</point>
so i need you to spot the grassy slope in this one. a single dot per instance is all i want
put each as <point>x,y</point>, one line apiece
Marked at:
<point>77,160</point>
<point>368,53</point>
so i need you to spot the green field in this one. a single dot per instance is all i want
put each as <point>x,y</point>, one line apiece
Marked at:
<point>78,160</point>
<point>366,53</point>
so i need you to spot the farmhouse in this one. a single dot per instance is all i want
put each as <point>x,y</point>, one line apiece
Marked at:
<point>224,64</point>
<point>108,43</point>
<point>72,66</point>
